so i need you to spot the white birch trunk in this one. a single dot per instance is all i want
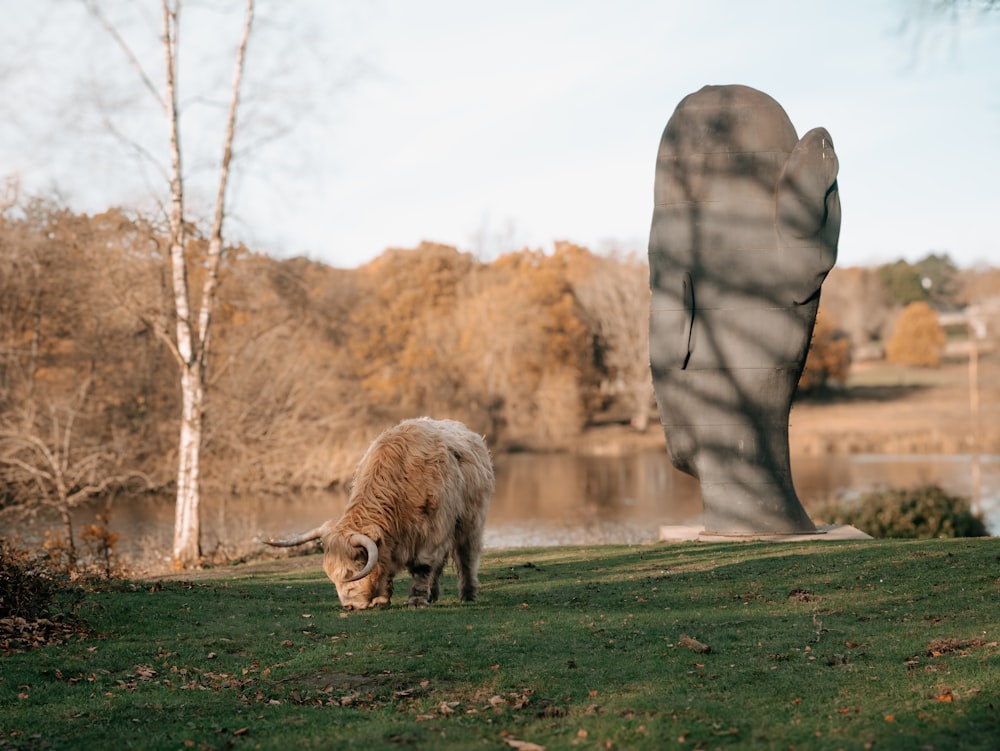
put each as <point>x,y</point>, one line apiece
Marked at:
<point>187,548</point>
<point>187,527</point>
<point>193,341</point>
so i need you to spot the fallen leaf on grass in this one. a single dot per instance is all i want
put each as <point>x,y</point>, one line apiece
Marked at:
<point>550,711</point>
<point>523,745</point>
<point>947,645</point>
<point>945,695</point>
<point>726,731</point>
<point>523,699</point>
<point>694,645</point>
<point>802,595</point>
<point>19,634</point>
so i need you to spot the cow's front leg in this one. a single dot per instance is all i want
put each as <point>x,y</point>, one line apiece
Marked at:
<point>424,589</point>
<point>383,600</point>
<point>436,582</point>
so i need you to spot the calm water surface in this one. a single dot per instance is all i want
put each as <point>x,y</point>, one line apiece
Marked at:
<point>547,499</point>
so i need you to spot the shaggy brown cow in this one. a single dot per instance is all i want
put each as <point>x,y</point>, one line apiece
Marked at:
<point>420,492</point>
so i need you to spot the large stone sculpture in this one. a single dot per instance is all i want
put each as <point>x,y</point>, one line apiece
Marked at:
<point>745,225</point>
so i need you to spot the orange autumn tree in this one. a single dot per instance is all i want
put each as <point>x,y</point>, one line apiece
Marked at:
<point>533,349</point>
<point>829,357</point>
<point>503,346</point>
<point>401,329</point>
<point>918,338</point>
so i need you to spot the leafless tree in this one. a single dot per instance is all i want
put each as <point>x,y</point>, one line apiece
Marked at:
<point>191,339</point>
<point>616,297</point>
<point>929,24</point>
<point>46,463</point>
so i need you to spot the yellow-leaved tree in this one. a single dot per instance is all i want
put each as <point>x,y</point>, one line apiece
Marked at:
<point>917,338</point>
<point>829,357</point>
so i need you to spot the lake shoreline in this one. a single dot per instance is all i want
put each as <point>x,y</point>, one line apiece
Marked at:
<point>883,409</point>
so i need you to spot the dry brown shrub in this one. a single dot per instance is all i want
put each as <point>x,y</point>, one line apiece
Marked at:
<point>917,338</point>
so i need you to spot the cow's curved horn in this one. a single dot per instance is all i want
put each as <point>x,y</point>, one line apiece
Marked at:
<point>312,534</point>
<point>364,541</point>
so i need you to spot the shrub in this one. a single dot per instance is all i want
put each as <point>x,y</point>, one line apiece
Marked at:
<point>918,338</point>
<point>30,600</point>
<point>829,357</point>
<point>914,513</point>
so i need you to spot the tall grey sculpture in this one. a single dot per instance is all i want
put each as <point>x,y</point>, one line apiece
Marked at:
<point>745,225</point>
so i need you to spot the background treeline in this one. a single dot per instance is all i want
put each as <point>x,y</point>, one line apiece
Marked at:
<point>309,362</point>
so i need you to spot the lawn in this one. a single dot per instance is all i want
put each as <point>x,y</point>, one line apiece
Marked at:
<point>874,644</point>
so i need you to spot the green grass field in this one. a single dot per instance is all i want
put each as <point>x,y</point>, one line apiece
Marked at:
<point>820,645</point>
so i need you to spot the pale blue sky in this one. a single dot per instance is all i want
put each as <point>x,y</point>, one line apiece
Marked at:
<point>491,126</point>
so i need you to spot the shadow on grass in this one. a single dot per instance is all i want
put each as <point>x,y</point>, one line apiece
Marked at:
<point>859,394</point>
<point>815,645</point>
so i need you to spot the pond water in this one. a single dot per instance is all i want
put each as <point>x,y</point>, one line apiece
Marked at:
<point>542,499</point>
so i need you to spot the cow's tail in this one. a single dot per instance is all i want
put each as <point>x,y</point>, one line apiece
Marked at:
<point>289,542</point>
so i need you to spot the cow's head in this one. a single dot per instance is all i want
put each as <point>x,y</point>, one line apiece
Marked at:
<point>352,562</point>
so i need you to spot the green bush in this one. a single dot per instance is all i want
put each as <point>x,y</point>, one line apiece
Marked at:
<point>921,513</point>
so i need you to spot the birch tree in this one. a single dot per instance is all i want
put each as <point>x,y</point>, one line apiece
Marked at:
<point>191,338</point>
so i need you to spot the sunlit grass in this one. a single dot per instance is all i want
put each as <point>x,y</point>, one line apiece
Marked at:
<point>884,644</point>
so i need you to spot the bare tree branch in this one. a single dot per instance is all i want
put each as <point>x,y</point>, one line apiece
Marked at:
<point>140,150</point>
<point>95,11</point>
<point>215,239</point>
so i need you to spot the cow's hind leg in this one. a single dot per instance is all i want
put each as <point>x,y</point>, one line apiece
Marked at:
<point>468,549</point>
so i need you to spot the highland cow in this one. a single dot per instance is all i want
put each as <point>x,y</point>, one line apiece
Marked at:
<point>420,492</point>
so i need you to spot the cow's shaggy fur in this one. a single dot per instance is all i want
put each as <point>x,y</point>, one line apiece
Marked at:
<point>420,492</point>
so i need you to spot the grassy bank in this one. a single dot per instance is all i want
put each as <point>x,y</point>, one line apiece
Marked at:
<point>883,644</point>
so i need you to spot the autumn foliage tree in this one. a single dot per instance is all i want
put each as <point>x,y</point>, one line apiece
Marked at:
<point>918,338</point>
<point>539,347</point>
<point>401,328</point>
<point>829,358</point>
<point>502,346</point>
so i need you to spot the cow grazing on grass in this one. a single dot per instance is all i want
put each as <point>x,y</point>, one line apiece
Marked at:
<point>420,492</point>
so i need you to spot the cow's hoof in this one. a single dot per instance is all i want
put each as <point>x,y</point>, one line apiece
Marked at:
<point>417,602</point>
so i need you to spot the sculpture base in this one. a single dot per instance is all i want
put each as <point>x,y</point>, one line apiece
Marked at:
<point>824,532</point>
